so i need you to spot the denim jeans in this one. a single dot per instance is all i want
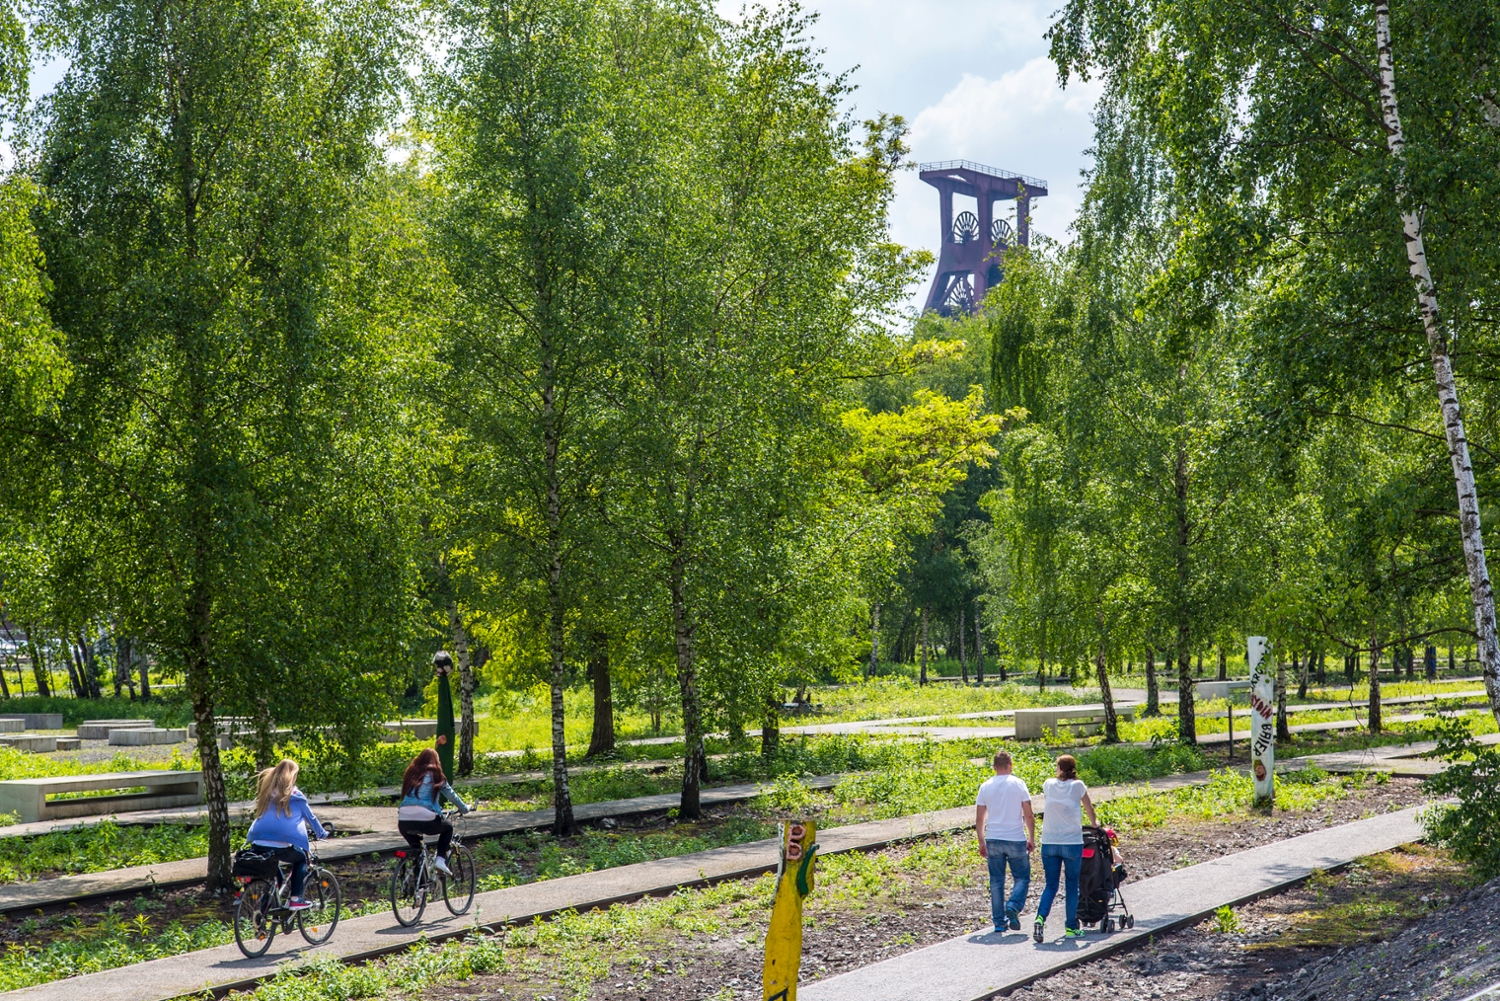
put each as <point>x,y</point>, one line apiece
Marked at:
<point>1015,853</point>
<point>1064,859</point>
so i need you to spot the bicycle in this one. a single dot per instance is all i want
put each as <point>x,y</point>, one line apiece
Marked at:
<point>415,875</point>
<point>260,908</point>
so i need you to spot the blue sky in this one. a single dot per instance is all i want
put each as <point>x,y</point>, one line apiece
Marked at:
<point>973,81</point>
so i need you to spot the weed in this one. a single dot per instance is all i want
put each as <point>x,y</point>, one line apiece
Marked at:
<point>1226,921</point>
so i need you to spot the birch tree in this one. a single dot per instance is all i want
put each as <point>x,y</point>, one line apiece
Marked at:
<point>202,161</point>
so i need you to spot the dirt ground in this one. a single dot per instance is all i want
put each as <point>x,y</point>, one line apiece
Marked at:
<point>918,914</point>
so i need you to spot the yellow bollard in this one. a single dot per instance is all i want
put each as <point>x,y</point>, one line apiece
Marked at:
<point>794,881</point>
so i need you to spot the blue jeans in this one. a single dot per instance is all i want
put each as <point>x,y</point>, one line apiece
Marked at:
<point>1014,852</point>
<point>1065,859</point>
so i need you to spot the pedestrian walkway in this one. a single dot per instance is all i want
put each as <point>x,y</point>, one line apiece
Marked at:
<point>982,964</point>
<point>481,823</point>
<point>224,968</point>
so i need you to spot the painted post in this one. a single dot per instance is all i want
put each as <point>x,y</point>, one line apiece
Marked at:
<point>442,664</point>
<point>794,881</point>
<point>1263,722</point>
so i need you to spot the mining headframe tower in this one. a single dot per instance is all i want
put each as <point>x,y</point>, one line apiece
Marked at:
<point>972,260</point>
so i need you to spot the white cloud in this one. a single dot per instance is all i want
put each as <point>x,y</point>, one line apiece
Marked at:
<point>1022,121</point>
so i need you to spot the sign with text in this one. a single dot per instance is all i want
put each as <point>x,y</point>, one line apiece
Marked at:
<point>1263,720</point>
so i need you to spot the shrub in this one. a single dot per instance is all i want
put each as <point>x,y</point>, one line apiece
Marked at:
<point>1470,829</point>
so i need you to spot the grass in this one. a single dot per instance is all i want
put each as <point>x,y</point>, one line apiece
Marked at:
<point>98,848</point>
<point>1229,794</point>
<point>119,939</point>
<point>1373,897</point>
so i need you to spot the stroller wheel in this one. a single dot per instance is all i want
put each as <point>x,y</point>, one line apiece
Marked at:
<point>1109,925</point>
<point>1130,921</point>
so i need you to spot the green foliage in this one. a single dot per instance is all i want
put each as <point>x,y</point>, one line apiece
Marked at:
<point>535,856</point>
<point>108,944</point>
<point>98,848</point>
<point>1470,828</point>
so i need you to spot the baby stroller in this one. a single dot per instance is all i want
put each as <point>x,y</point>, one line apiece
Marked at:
<point>1099,882</point>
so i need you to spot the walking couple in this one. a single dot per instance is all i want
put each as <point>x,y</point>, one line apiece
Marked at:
<point>1006,829</point>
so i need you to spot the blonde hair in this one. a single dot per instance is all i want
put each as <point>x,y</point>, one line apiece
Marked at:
<point>276,783</point>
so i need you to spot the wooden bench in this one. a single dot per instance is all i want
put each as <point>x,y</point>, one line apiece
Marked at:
<point>1033,724</point>
<point>33,800</point>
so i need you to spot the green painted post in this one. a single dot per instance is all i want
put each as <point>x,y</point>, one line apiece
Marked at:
<point>442,664</point>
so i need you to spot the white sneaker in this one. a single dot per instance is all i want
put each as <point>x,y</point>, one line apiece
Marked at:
<point>441,865</point>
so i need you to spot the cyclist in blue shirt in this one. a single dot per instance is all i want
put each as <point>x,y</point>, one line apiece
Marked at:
<point>282,820</point>
<point>422,790</point>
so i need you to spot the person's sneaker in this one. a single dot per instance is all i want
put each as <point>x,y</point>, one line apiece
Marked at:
<point>441,865</point>
<point>1014,920</point>
<point>297,904</point>
<point>1073,933</point>
<point>1036,929</point>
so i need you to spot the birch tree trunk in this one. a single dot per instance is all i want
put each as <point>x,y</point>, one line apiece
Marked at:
<point>1374,684</point>
<point>963,654</point>
<point>1481,593</point>
<point>466,729</point>
<point>924,646</point>
<point>1101,671</point>
<point>978,649</point>
<point>1153,699</point>
<point>562,796</point>
<point>1282,733</point>
<point>874,639</point>
<point>603,739</point>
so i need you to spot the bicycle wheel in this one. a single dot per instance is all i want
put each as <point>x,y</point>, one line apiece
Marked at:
<point>318,921</point>
<point>408,895</point>
<point>254,925</point>
<point>458,889</point>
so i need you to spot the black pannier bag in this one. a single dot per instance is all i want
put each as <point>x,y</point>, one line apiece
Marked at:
<point>256,862</point>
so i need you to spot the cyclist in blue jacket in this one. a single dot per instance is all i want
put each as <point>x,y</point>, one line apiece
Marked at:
<point>422,790</point>
<point>282,820</point>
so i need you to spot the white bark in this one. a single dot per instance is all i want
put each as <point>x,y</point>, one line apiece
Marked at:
<point>1480,591</point>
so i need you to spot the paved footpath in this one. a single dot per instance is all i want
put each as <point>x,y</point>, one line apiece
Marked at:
<point>480,823</point>
<point>983,964</point>
<point>356,939</point>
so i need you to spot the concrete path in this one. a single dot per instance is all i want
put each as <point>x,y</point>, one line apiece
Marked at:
<point>983,964</point>
<point>481,823</point>
<point>362,938</point>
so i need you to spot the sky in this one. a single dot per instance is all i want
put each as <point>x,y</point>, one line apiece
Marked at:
<point>974,83</point>
<point>972,80</point>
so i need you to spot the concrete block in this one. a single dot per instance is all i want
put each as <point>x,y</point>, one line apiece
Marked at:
<point>38,721</point>
<point>422,729</point>
<point>12,725</point>
<point>33,742</point>
<point>35,800</point>
<point>1031,724</point>
<point>1220,689</point>
<point>68,743</point>
<point>134,736</point>
<point>99,729</point>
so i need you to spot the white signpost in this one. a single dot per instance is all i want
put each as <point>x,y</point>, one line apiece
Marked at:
<point>1263,725</point>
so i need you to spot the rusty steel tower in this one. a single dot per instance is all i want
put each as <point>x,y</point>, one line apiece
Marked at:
<point>973,254</point>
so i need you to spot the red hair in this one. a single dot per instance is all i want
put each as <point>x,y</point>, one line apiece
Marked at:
<point>424,764</point>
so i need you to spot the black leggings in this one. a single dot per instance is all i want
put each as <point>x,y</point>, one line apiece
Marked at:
<point>412,831</point>
<point>297,858</point>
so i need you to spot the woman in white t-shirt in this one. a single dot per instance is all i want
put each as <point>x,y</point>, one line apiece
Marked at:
<point>1062,842</point>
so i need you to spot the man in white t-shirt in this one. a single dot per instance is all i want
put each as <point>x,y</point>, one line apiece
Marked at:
<point>1007,833</point>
